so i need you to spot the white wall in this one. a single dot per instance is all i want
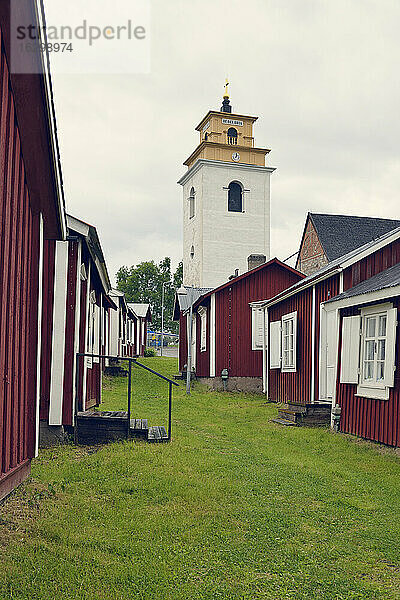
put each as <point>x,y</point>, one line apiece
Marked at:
<point>223,240</point>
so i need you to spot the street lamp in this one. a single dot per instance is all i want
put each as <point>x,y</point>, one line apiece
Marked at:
<point>188,291</point>
<point>162,315</point>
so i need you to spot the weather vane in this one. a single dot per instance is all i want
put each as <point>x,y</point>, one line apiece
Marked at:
<point>226,95</point>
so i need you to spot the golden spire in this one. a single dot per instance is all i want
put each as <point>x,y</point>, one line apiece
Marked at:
<point>226,95</point>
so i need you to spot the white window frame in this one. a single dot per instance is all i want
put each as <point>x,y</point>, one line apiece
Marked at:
<point>203,328</point>
<point>371,388</point>
<point>290,367</point>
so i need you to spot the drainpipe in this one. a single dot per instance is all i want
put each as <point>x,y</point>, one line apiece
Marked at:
<point>264,353</point>
<point>313,347</point>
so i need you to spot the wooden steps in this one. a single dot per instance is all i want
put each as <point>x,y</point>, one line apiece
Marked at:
<point>304,415</point>
<point>101,427</point>
<point>157,435</point>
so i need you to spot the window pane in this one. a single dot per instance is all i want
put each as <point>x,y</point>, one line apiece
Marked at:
<point>371,323</point>
<point>369,350</point>
<point>382,326</point>
<point>291,361</point>
<point>380,371</point>
<point>291,341</point>
<point>368,370</point>
<point>286,324</point>
<point>381,349</point>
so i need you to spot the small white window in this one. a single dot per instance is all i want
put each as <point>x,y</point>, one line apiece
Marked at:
<point>203,328</point>
<point>377,351</point>
<point>370,363</point>
<point>289,335</point>
<point>192,206</point>
<point>257,328</point>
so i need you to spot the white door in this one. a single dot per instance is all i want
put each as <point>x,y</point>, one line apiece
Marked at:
<point>328,354</point>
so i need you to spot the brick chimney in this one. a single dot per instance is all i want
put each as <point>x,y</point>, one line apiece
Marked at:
<point>255,260</point>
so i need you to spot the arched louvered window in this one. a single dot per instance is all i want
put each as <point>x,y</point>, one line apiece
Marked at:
<point>232,136</point>
<point>192,203</point>
<point>235,197</point>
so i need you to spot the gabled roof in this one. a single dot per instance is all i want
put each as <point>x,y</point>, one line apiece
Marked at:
<point>89,233</point>
<point>201,294</point>
<point>336,266</point>
<point>387,279</point>
<point>182,303</point>
<point>340,234</point>
<point>141,310</point>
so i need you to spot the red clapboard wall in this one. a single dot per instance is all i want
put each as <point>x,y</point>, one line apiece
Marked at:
<point>377,420</point>
<point>296,387</point>
<point>19,271</point>
<point>233,347</point>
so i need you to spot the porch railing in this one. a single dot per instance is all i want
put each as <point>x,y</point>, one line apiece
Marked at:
<point>130,360</point>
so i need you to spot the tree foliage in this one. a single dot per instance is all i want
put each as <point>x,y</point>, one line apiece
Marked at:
<point>143,283</point>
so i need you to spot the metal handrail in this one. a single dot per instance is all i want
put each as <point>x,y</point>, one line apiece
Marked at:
<point>130,360</point>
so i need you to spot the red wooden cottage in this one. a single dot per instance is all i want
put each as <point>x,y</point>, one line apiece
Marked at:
<point>128,326</point>
<point>226,334</point>
<point>142,317</point>
<point>352,299</point>
<point>75,320</point>
<point>31,211</point>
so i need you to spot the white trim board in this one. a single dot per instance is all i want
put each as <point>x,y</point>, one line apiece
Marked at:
<point>58,341</point>
<point>218,164</point>
<point>39,333</point>
<point>366,298</point>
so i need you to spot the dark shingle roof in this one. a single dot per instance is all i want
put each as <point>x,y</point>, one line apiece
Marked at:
<point>340,234</point>
<point>387,279</point>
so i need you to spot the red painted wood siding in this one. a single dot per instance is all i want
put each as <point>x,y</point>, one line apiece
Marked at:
<point>372,265</point>
<point>377,420</point>
<point>47,326</point>
<point>69,355</point>
<point>296,387</point>
<point>19,287</point>
<point>233,320</point>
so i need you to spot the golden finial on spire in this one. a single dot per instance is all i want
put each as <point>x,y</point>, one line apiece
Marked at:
<point>226,95</point>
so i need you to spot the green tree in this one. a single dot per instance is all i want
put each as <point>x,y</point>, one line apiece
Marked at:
<point>143,283</point>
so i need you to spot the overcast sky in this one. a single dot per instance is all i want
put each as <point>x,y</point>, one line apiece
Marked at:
<point>322,75</point>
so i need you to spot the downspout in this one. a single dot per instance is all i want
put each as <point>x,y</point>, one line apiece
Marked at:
<point>313,347</point>
<point>264,352</point>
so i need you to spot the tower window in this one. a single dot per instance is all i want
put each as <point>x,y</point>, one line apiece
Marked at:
<point>235,197</point>
<point>192,203</point>
<point>232,136</point>
<point>192,252</point>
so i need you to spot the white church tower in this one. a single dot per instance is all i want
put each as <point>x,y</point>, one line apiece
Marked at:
<point>226,199</point>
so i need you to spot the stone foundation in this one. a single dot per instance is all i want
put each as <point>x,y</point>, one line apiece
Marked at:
<point>51,435</point>
<point>251,385</point>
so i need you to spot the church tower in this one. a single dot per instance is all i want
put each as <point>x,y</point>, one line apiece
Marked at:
<point>226,199</point>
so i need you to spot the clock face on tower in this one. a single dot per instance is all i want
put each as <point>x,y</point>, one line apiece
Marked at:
<point>236,156</point>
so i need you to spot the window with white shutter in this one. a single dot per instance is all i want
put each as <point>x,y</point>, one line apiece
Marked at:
<point>368,351</point>
<point>377,351</point>
<point>257,328</point>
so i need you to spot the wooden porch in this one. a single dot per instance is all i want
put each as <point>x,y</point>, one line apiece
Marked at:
<point>102,427</point>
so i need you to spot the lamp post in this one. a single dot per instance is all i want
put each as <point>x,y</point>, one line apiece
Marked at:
<point>188,291</point>
<point>162,315</point>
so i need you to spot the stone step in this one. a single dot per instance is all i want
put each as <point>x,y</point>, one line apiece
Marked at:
<point>285,422</point>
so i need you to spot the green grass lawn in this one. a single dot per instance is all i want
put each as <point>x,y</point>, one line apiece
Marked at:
<point>235,507</point>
